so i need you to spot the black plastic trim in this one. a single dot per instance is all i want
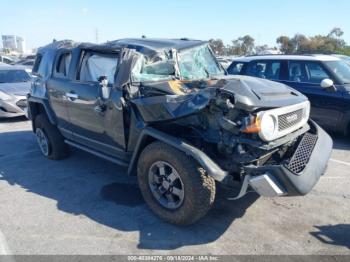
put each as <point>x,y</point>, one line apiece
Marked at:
<point>204,161</point>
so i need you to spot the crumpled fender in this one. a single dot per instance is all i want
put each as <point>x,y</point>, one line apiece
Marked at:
<point>169,107</point>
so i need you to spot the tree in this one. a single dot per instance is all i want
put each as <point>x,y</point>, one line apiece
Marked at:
<point>261,49</point>
<point>285,44</point>
<point>300,44</point>
<point>217,45</point>
<point>335,32</point>
<point>243,46</point>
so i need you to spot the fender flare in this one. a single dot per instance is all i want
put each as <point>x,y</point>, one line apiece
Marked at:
<point>45,104</point>
<point>204,161</point>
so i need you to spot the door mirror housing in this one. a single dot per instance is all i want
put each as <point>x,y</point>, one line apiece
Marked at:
<point>105,90</point>
<point>328,84</point>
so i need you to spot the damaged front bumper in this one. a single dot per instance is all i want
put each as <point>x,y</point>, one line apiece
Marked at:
<point>299,174</point>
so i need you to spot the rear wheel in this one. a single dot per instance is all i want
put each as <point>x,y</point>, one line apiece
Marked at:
<point>50,140</point>
<point>173,185</point>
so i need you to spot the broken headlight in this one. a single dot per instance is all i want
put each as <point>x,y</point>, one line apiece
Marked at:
<point>265,125</point>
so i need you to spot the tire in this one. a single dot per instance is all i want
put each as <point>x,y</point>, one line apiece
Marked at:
<point>56,148</point>
<point>198,188</point>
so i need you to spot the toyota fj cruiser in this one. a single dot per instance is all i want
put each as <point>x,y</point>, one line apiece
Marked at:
<point>167,111</point>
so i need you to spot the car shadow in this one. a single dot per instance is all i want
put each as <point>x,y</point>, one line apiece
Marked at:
<point>101,191</point>
<point>13,119</point>
<point>333,234</point>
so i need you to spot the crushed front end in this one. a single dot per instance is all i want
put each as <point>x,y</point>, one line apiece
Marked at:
<point>257,132</point>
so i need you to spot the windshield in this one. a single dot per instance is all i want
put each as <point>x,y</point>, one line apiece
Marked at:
<point>193,64</point>
<point>13,76</point>
<point>341,70</point>
<point>159,67</point>
<point>198,63</point>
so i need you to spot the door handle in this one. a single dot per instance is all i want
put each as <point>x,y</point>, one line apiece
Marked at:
<point>71,96</point>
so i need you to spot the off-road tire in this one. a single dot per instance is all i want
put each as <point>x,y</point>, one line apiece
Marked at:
<point>57,148</point>
<point>199,188</point>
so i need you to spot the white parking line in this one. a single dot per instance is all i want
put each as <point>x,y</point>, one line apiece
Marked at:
<point>340,162</point>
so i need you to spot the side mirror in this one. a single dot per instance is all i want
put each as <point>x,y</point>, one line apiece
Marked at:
<point>104,87</point>
<point>328,84</point>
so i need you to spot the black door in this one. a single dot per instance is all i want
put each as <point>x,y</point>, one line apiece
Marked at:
<point>326,106</point>
<point>89,115</point>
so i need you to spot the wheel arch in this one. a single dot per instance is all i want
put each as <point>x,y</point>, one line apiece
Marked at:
<point>149,135</point>
<point>38,106</point>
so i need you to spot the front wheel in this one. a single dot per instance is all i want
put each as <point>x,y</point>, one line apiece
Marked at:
<point>173,185</point>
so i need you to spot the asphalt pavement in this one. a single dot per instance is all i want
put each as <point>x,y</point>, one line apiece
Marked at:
<point>86,205</point>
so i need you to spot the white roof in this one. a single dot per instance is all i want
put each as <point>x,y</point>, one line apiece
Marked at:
<point>288,57</point>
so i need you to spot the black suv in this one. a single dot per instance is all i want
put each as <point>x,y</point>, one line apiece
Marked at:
<point>167,111</point>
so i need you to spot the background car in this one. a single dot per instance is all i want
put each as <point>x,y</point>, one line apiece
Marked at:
<point>26,64</point>
<point>15,84</point>
<point>8,59</point>
<point>225,61</point>
<point>325,80</point>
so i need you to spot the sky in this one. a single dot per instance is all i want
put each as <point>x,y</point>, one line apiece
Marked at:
<point>41,21</point>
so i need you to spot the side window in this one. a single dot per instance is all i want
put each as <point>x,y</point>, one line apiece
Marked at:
<point>307,72</point>
<point>94,65</point>
<point>296,72</point>
<point>274,71</point>
<point>39,68</point>
<point>62,65</point>
<point>235,68</point>
<point>265,69</point>
<point>315,72</point>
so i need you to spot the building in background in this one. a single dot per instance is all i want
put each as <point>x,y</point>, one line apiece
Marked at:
<point>13,43</point>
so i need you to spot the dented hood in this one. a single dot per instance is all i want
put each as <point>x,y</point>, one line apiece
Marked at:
<point>177,99</point>
<point>252,93</point>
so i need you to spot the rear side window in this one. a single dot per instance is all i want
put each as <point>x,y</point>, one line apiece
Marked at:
<point>37,63</point>
<point>307,72</point>
<point>235,68</point>
<point>42,65</point>
<point>95,65</point>
<point>62,65</point>
<point>265,69</point>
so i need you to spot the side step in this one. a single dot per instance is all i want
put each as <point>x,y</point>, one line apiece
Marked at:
<point>96,153</point>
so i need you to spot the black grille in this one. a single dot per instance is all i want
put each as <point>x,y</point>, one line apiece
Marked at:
<point>302,155</point>
<point>290,119</point>
<point>22,103</point>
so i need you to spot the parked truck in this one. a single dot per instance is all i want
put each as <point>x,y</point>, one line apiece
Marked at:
<point>168,112</point>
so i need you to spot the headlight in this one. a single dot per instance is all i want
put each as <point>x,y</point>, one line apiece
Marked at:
<point>268,127</point>
<point>4,96</point>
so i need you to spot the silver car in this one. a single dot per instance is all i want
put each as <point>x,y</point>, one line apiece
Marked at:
<point>15,84</point>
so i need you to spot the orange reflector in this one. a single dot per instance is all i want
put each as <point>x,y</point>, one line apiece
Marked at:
<point>254,126</point>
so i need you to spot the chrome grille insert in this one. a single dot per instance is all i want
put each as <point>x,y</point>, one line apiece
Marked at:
<point>288,120</point>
